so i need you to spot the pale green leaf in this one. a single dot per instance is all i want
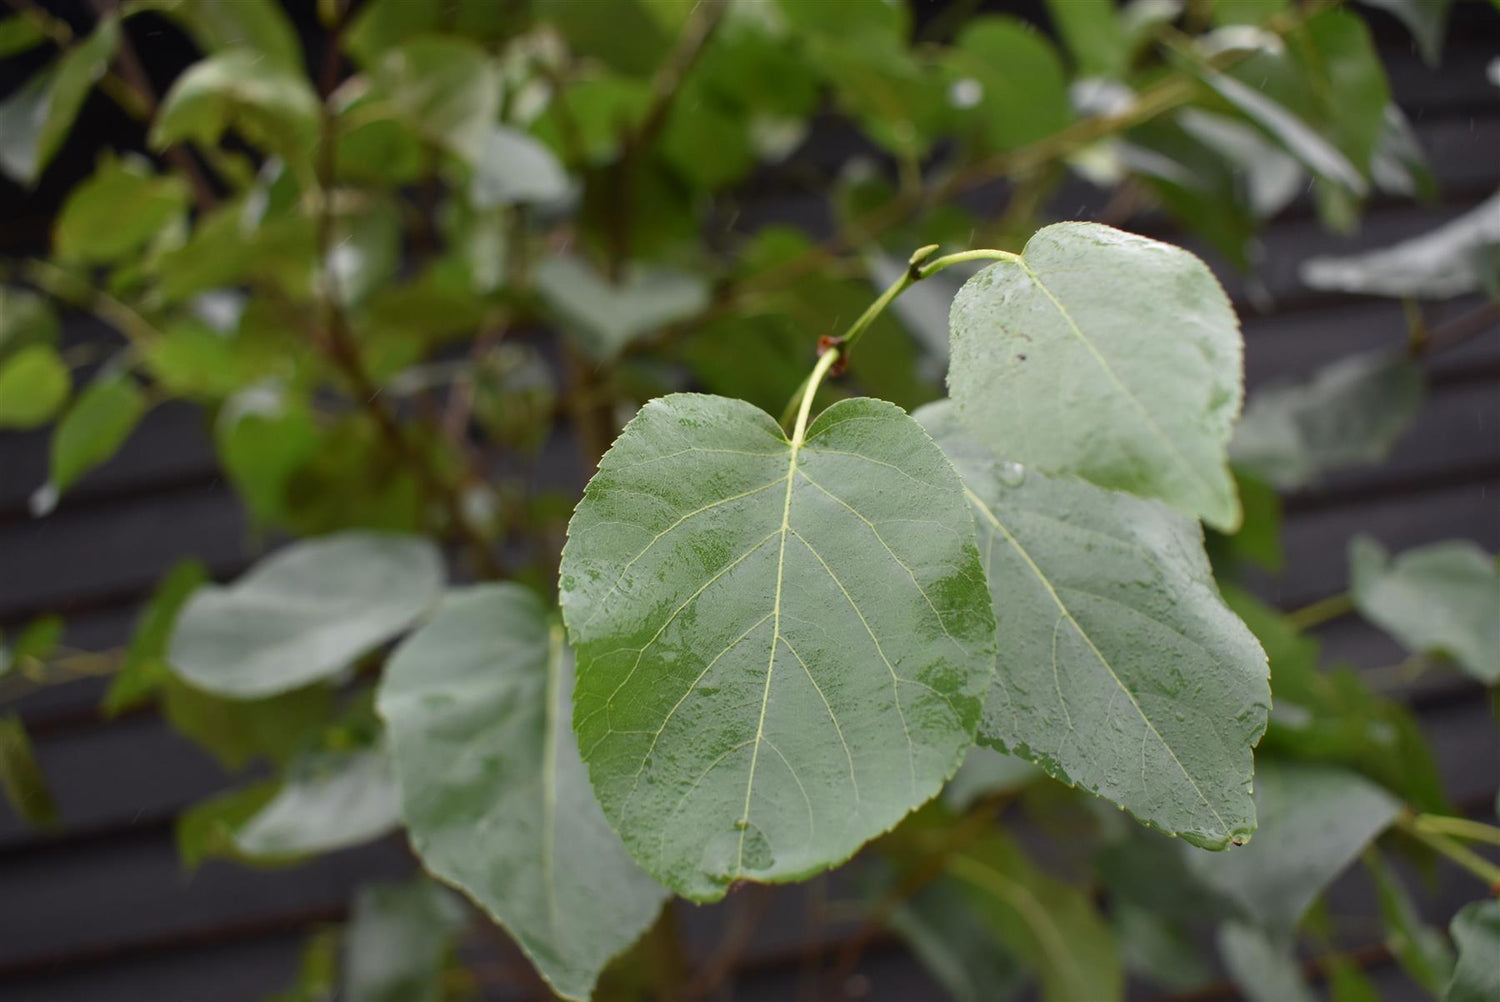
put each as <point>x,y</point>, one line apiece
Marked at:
<point>117,211</point>
<point>1263,964</point>
<point>21,777</point>
<point>783,646</point>
<point>1314,821</point>
<point>34,383</point>
<point>305,612</point>
<point>1052,927</point>
<point>1349,413</point>
<point>1106,356</point>
<point>1158,948</point>
<point>329,800</point>
<point>1120,668</point>
<point>1476,933</point>
<point>1444,263</point>
<point>446,89</point>
<point>1441,598</point>
<point>513,168</point>
<point>476,703</point>
<point>397,940</point>
<point>604,316</point>
<point>35,119</point>
<point>955,944</point>
<point>273,106</point>
<point>94,428</point>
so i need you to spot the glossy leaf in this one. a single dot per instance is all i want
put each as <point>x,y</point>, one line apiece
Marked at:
<point>1441,598</point>
<point>1476,933</point>
<point>1120,669</point>
<point>35,119</point>
<point>273,106</point>
<point>1059,359</point>
<point>99,421</point>
<point>330,800</point>
<point>741,604</point>
<point>305,612</point>
<point>116,211</point>
<point>1051,926</point>
<point>1349,413</point>
<point>21,778</point>
<point>477,708</point>
<point>1314,822</point>
<point>34,384</point>
<point>1444,263</point>
<point>606,317</point>
<point>397,940</point>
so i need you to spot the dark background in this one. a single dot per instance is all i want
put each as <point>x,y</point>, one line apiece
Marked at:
<point>102,910</point>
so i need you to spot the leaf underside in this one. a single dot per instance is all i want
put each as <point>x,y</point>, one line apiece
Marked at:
<point>783,648</point>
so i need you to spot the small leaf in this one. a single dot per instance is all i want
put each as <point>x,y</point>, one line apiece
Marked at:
<point>741,604</point>
<point>1264,965</point>
<point>476,703</point>
<point>25,319</point>
<point>1476,933</point>
<point>1439,599</point>
<point>273,106</point>
<point>144,669</point>
<point>1120,669</point>
<point>237,732</point>
<point>100,420</point>
<point>1422,951</point>
<point>117,211</point>
<point>20,776</point>
<point>35,119</point>
<point>206,830</point>
<point>396,942</point>
<point>329,800</point>
<point>1314,822</point>
<point>1060,358</point>
<point>1442,264</point>
<point>606,317</point>
<point>305,612</point>
<point>34,384</point>
<point>1349,413</point>
<point>19,33</point>
<point>513,168</point>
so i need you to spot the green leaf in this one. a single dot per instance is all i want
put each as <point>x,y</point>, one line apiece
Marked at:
<point>20,776</point>
<point>95,426</point>
<point>258,25</point>
<point>1022,91</point>
<point>19,33</point>
<point>273,106</point>
<point>1444,263</point>
<point>35,119</point>
<point>1314,821</point>
<point>1264,965</point>
<point>1439,599</point>
<point>476,705</point>
<point>606,317</point>
<point>1349,413</point>
<point>1476,933</point>
<point>986,771</point>
<point>397,940</point>
<point>711,556</point>
<point>237,732</point>
<point>25,319</point>
<point>34,384</point>
<point>144,669</point>
<point>1422,951</point>
<point>206,830</point>
<point>1064,359</point>
<point>635,38</point>
<point>1120,669</point>
<point>446,89</point>
<point>1159,949</point>
<point>955,944</point>
<point>1347,982</point>
<point>263,438</point>
<point>329,800</point>
<point>305,613</point>
<point>1094,35</point>
<point>514,168</point>
<point>1427,20</point>
<point>117,211</point>
<point>1050,926</point>
<point>317,973</point>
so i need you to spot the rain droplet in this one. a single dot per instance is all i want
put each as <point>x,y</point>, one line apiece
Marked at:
<point>1010,474</point>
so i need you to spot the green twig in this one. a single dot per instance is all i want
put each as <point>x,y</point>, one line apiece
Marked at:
<point>1463,828</point>
<point>1418,827</point>
<point>1320,612</point>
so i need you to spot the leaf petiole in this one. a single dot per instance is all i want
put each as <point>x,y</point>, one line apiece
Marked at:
<point>1418,826</point>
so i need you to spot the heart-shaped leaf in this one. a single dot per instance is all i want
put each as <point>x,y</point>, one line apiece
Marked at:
<point>304,613</point>
<point>1107,356</point>
<point>494,792</point>
<point>1120,668</point>
<point>783,646</point>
